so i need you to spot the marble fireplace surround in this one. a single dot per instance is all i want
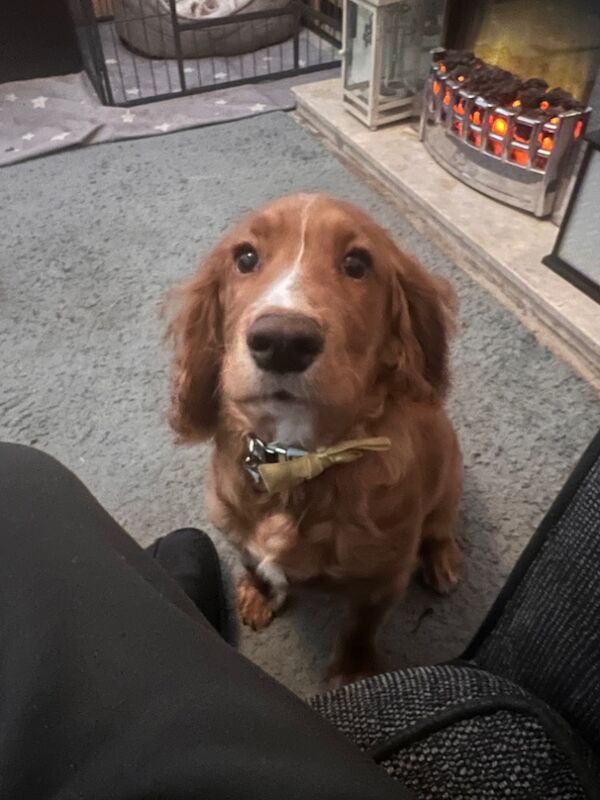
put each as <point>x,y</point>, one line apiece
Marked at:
<point>500,247</point>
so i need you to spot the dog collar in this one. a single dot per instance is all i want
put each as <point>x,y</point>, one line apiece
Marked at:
<point>277,468</point>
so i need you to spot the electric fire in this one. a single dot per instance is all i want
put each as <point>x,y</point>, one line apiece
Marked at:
<point>509,138</point>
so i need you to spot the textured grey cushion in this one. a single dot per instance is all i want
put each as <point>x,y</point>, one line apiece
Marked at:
<point>546,635</point>
<point>501,754</point>
<point>146,25</point>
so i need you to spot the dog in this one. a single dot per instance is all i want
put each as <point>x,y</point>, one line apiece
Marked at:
<point>307,327</point>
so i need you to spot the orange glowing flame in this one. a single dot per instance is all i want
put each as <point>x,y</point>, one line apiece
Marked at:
<point>461,78</point>
<point>496,148</point>
<point>520,156</point>
<point>447,98</point>
<point>476,117</point>
<point>578,129</point>
<point>516,104</point>
<point>499,126</point>
<point>546,141</point>
<point>443,68</point>
<point>459,108</point>
<point>436,87</point>
<point>475,138</point>
<point>544,105</point>
<point>555,120</point>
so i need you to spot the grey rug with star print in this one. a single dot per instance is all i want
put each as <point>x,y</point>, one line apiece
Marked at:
<point>91,241</point>
<point>46,115</point>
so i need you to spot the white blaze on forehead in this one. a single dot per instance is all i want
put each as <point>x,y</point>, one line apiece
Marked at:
<point>285,292</point>
<point>282,293</point>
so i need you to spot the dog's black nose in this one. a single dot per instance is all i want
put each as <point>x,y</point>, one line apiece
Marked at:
<point>284,342</point>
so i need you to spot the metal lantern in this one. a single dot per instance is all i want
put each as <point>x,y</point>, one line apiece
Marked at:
<point>386,45</point>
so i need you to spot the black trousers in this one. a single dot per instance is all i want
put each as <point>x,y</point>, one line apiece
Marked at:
<point>113,685</point>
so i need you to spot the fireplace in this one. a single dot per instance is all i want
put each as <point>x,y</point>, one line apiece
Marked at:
<point>511,139</point>
<point>490,114</point>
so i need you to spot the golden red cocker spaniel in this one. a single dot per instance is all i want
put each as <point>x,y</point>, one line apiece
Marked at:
<point>313,352</point>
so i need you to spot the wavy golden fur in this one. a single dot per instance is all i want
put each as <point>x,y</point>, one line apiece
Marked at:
<point>364,528</point>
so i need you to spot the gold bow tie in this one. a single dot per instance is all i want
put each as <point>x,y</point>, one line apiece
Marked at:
<point>279,468</point>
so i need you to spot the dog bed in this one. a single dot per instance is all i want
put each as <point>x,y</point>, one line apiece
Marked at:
<point>147,27</point>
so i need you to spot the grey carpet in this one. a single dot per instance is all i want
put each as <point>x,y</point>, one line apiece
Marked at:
<point>93,238</point>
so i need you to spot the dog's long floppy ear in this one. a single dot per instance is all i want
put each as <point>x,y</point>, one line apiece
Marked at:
<point>196,331</point>
<point>423,312</point>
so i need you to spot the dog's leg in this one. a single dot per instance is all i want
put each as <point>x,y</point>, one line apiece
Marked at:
<point>356,655</point>
<point>441,559</point>
<point>274,578</point>
<point>255,602</point>
<point>263,590</point>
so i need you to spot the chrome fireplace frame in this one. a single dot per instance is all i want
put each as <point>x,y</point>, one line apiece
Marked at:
<point>504,153</point>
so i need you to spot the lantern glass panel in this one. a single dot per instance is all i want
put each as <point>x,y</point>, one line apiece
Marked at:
<point>401,53</point>
<point>410,30</point>
<point>359,50</point>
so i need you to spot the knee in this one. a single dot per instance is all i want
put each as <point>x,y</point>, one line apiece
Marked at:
<point>41,503</point>
<point>25,469</point>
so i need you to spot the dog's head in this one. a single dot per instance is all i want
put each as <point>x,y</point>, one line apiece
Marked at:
<point>306,304</point>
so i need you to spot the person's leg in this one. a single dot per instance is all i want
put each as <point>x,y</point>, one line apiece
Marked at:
<point>112,684</point>
<point>191,559</point>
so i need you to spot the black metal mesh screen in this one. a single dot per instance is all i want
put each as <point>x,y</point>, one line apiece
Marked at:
<point>136,51</point>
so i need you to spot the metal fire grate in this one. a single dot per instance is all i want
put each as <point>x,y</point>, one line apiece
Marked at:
<point>137,51</point>
<point>514,157</point>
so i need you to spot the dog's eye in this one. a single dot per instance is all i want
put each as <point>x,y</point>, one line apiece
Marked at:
<point>356,264</point>
<point>246,258</point>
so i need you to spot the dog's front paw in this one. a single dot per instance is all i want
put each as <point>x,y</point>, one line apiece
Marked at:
<point>442,565</point>
<point>256,609</point>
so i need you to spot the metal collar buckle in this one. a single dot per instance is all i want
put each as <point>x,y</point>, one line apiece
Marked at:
<point>259,452</point>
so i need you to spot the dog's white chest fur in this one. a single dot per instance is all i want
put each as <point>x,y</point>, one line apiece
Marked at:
<point>291,424</point>
<point>295,427</point>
